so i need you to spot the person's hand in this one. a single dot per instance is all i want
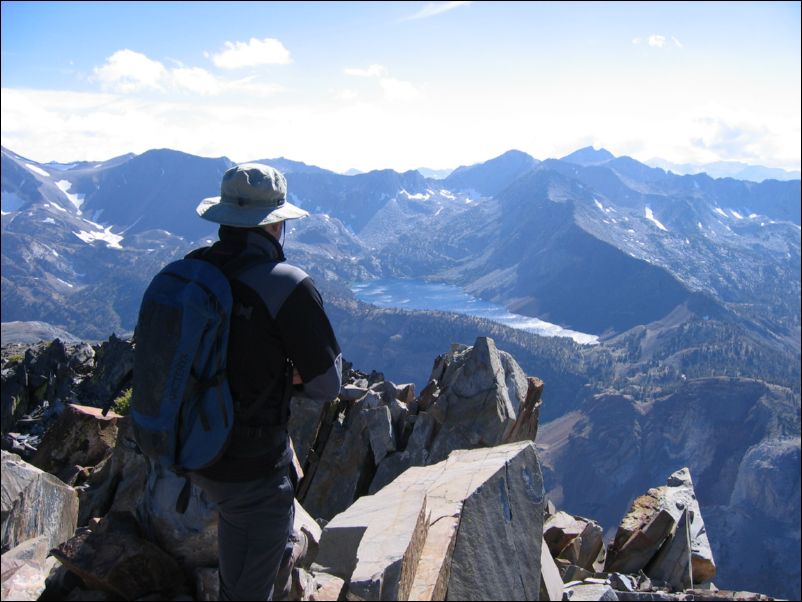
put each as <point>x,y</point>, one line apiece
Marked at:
<point>296,377</point>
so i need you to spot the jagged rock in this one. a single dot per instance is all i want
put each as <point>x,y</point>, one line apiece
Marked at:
<point>81,437</point>
<point>578,540</point>
<point>25,569</point>
<point>671,564</point>
<point>472,529</point>
<point>34,503</point>
<point>305,416</point>
<point>475,408</point>
<point>343,470</point>
<point>589,591</point>
<point>651,521</point>
<point>114,366</point>
<point>114,557</point>
<point>118,482</point>
<point>14,397</point>
<point>525,427</point>
<point>379,424</point>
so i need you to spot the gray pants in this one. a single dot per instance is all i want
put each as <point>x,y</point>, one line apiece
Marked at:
<point>256,519</point>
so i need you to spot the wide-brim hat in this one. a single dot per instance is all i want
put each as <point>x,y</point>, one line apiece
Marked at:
<point>251,194</point>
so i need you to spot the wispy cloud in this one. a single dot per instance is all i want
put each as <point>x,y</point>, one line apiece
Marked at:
<point>236,55</point>
<point>395,90</point>
<point>436,8</point>
<point>128,72</point>
<point>657,41</point>
<point>371,71</point>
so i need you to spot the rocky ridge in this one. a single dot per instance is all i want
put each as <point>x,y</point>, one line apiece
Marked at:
<point>436,495</point>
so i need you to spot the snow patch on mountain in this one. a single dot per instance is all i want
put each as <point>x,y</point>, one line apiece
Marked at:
<point>37,170</point>
<point>75,199</point>
<point>650,216</point>
<point>106,235</point>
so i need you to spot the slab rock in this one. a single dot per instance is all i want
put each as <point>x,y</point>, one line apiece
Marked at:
<point>652,522</point>
<point>35,503</point>
<point>466,528</point>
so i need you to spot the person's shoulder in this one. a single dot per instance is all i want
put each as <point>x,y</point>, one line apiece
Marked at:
<point>288,272</point>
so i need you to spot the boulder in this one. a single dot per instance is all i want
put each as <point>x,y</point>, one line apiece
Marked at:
<point>651,522</point>
<point>469,528</point>
<point>112,556</point>
<point>80,438</point>
<point>578,540</point>
<point>476,408</point>
<point>345,467</point>
<point>35,503</point>
<point>671,564</point>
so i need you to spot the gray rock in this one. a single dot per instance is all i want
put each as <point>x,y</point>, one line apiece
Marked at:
<point>590,591</point>
<point>474,407</point>
<point>35,503</point>
<point>671,564</point>
<point>25,569</point>
<point>380,432</point>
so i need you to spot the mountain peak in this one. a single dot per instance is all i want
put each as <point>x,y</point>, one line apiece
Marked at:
<point>589,156</point>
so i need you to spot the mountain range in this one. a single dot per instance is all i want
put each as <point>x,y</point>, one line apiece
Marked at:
<point>692,284</point>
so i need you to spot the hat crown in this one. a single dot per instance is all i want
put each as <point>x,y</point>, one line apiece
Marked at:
<point>253,184</point>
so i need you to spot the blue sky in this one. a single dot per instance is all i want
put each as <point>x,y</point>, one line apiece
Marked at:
<point>402,84</point>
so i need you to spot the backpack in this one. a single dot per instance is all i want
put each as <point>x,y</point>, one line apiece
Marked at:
<point>182,408</point>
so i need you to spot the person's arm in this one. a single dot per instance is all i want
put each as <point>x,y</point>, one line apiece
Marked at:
<point>310,342</point>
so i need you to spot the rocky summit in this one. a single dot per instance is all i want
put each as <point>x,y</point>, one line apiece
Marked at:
<point>437,495</point>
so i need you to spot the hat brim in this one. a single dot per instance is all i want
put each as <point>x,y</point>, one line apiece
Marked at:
<point>246,217</point>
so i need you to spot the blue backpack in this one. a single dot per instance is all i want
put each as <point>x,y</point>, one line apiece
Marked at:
<point>181,407</point>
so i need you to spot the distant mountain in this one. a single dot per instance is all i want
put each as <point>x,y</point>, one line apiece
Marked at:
<point>493,176</point>
<point>434,174</point>
<point>29,333</point>
<point>728,169</point>
<point>287,166</point>
<point>589,156</point>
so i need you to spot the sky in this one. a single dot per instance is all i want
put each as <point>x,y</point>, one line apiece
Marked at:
<point>402,85</point>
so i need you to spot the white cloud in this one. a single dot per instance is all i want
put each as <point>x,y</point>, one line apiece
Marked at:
<point>636,41</point>
<point>657,41</point>
<point>196,80</point>
<point>268,51</point>
<point>436,8</point>
<point>129,71</point>
<point>372,71</point>
<point>397,90</point>
<point>345,95</point>
<point>677,43</point>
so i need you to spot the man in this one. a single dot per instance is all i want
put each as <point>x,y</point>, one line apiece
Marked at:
<point>280,337</point>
